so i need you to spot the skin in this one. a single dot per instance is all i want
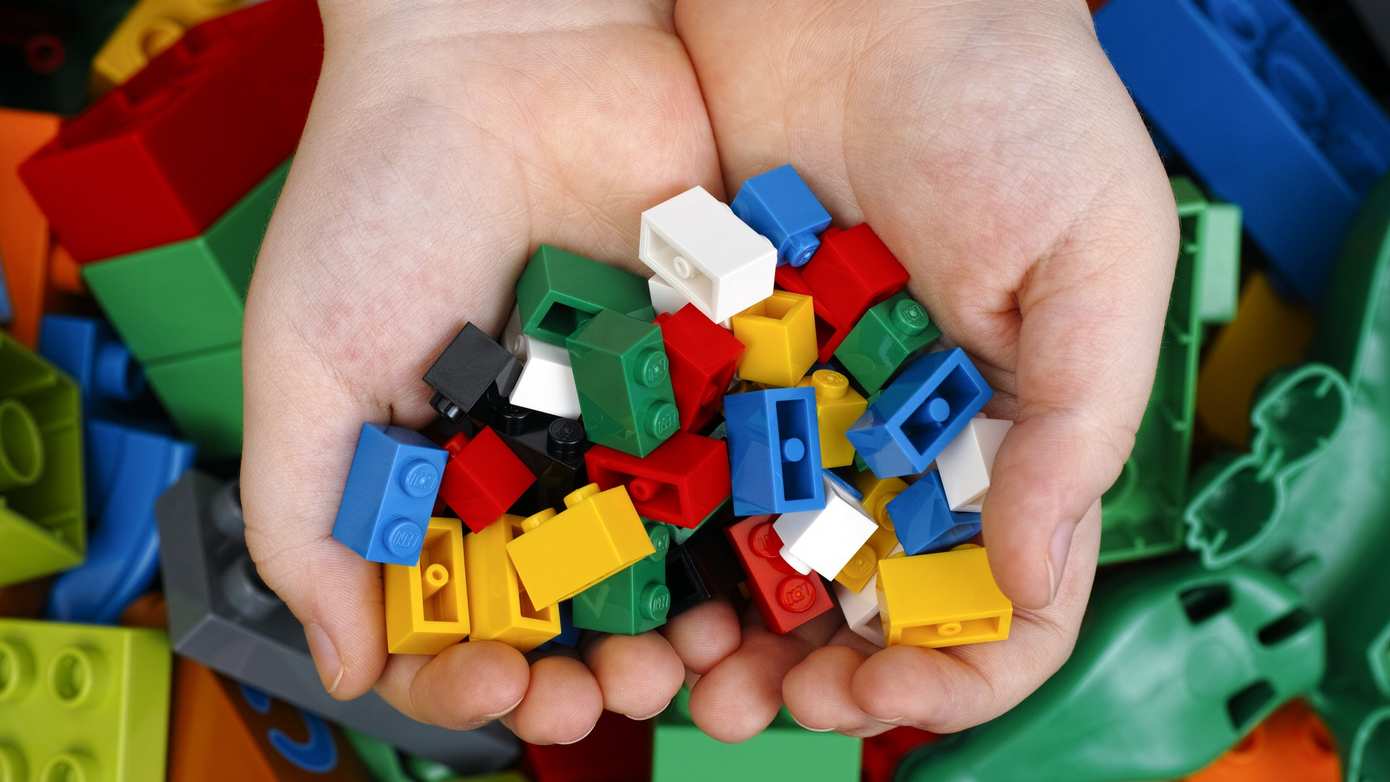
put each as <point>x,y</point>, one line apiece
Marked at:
<point>987,141</point>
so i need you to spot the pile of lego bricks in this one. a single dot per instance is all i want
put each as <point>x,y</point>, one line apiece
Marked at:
<point>681,438</point>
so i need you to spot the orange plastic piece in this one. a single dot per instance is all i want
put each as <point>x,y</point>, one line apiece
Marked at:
<point>148,610</point>
<point>1293,743</point>
<point>64,274</point>
<point>24,600</point>
<point>25,239</point>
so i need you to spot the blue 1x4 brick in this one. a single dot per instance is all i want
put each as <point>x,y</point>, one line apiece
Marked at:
<point>774,451</point>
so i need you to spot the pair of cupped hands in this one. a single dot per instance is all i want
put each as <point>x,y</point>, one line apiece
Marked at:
<point>988,142</point>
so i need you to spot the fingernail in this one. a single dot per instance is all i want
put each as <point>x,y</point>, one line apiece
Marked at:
<point>1057,556</point>
<point>581,738</point>
<point>808,727</point>
<point>325,657</point>
<point>653,714</point>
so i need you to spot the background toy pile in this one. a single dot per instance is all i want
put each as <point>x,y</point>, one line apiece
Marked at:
<point>1238,629</point>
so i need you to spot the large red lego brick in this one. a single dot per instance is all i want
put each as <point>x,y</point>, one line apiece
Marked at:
<point>684,480</point>
<point>618,750</point>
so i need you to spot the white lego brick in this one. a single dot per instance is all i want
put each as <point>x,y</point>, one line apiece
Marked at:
<point>697,245</point>
<point>967,461</point>
<point>664,297</point>
<point>824,540</point>
<point>861,611</point>
<point>546,382</point>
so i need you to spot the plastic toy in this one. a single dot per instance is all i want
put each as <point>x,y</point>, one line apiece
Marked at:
<point>482,478</point>
<point>546,382</point>
<point>943,599</point>
<point>499,608</point>
<point>825,539</point>
<point>26,243</point>
<point>633,600</point>
<point>624,382</point>
<point>785,598</point>
<point>923,520</point>
<point>779,334</point>
<point>779,205</point>
<point>463,371</point>
<point>852,271</point>
<point>391,488</point>
<point>837,408</point>
<point>682,482</point>
<point>427,603</point>
<point>151,27</point>
<point>703,357</point>
<point>774,451</point>
<point>886,336</point>
<point>964,465</point>
<point>559,292</point>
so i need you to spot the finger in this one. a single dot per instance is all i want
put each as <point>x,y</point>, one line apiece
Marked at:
<point>638,674</point>
<point>704,635</point>
<point>819,695</point>
<point>741,695</point>
<point>463,687</point>
<point>562,704</point>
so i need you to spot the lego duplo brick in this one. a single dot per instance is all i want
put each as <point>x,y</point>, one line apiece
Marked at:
<point>617,750</point>
<point>42,513</point>
<point>682,482</point>
<point>780,205</point>
<point>202,395</point>
<point>558,292</point>
<point>1293,743</point>
<point>1257,66</point>
<point>149,28</point>
<point>158,159</point>
<point>107,376</point>
<point>46,50</point>
<point>221,615</point>
<point>624,383</point>
<point>81,702</point>
<point>883,339</point>
<point>25,239</point>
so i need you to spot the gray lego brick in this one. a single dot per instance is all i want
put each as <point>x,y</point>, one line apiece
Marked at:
<point>221,615</point>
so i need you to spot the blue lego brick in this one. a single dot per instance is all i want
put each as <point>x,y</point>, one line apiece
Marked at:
<point>107,375</point>
<point>390,494</point>
<point>569,634</point>
<point>6,310</point>
<point>774,451</point>
<point>780,206</point>
<point>921,411</point>
<point>924,520</point>
<point>1264,114</point>
<point>133,468</point>
<point>846,488</point>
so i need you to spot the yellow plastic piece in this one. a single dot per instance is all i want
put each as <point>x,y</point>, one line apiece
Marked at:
<point>837,408</point>
<point>878,492</point>
<point>149,28</point>
<point>498,606</point>
<point>427,603</point>
<point>944,599</point>
<point>562,554</point>
<point>779,333</point>
<point>1267,334</point>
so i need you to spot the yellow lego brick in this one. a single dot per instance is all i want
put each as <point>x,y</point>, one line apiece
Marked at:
<point>427,603</point>
<point>149,28</point>
<point>498,606</point>
<point>562,554</point>
<point>1267,334</point>
<point>944,599</point>
<point>878,492</point>
<point>779,333</point>
<point>837,408</point>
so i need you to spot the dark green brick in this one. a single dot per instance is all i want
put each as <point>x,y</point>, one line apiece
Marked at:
<point>559,292</point>
<point>633,600</point>
<point>624,383</point>
<point>202,393</point>
<point>884,338</point>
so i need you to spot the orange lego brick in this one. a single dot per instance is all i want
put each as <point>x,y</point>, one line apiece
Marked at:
<point>25,238</point>
<point>1293,743</point>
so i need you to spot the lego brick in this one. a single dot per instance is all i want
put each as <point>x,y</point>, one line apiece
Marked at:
<point>546,380</point>
<point>222,731</point>
<point>702,567</point>
<point>83,702</point>
<point>170,301</point>
<point>221,615</point>
<point>920,412</point>
<point>923,520</point>
<point>633,600</point>
<point>774,451</point>
<point>779,205</point>
<point>390,491</point>
<point>852,271</point>
<point>1292,743</point>
<point>681,482</point>
<point>861,608</point>
<point>25,240</point>
<point>779,336</point>
<point>107,377</point>
<point>785,598</point>
<point>499,607</point>
<point>887,335</point>
<point>883,753</point>
<point>134,467</point>
<point>711,258</point>
<point>46,51</point>
<point>617,750</point>
<point>42,516</point>
<point>161,157</point>
<point>482,478</point>
<point>862,567</point>
<point>387,764</point>
<point>965,463</point>
<point>24,600</point>
<point>461,374</point>
<point>149,28</point>
<point>944,599</point>
<point>665,299</point>
<point>825,539</point>
<point>1257,65</point>
<point>703,358</point>
<point>202,394</point>
<point>551,448</point>
<point>837,408</point>
<point>559,292</point>
<point>624,382</point>
<point>148,610</point>
<point>562,554</point>
<point>65,274</point>
<point>427,602</point>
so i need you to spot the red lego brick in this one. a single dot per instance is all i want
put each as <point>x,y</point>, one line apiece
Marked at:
<point>882,753</point>
<point>852,271</point>
<point>680,483</point>
<point>703,357</point>
<point>785,598</point>
<point>827,336</point>
<point>161,157</point>
<point>618,750</point>
<point>482,478</point>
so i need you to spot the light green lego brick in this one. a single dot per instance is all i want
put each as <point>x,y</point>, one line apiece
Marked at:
<point>81,703</point>
<point>1220,264</point>
<point>42,518</point>
<point>202,393</point>
<point>189,296</point>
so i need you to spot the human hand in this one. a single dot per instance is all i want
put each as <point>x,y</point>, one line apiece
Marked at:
<point>445,142</point>
<point>991,146</point>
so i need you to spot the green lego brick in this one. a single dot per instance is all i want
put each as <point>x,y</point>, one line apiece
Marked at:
<point>680,535</point>
<point>624,383</point>
<point>388,764</point>
<point>559,292</point>
<point>202,393</point>
<point>1142,513</point>
<point>633,600</point>
<point>42,519</point>
<point>1220,288</point>
<point>884,338</point>
<point>80,703</point>
<point>187,297</point>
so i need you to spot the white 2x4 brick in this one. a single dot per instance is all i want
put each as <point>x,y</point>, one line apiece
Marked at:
<point>966,462</point>
<point>824,540</point>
